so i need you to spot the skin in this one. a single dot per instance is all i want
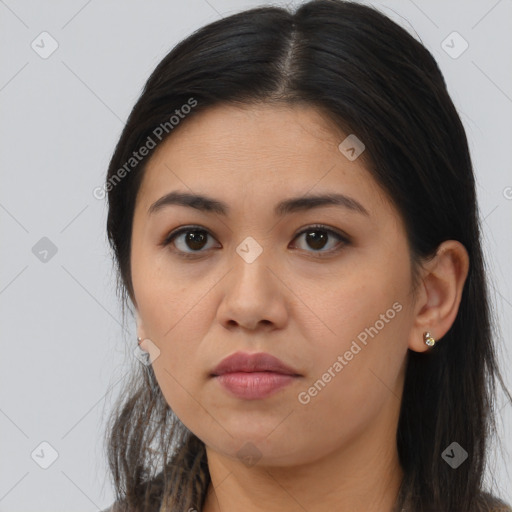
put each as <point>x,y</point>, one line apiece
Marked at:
<point>338,451</point>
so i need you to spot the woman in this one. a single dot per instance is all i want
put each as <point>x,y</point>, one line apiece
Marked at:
<point>293,215</point>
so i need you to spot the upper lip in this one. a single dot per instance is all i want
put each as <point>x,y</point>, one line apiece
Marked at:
<point>260,362</point>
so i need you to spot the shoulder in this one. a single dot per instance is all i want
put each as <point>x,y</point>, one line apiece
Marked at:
<point>494,504</point>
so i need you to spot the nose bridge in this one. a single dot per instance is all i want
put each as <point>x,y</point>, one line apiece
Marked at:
<point>252,291</point>
<point>250,262</point>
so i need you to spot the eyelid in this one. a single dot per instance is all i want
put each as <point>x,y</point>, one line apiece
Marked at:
<point>340,234</point>
<point>178,231</point>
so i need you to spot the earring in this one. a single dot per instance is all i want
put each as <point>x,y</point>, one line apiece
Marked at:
<point>428,339</point>
<point>139,340</point>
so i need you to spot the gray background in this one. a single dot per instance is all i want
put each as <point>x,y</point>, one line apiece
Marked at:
<point>64,348</point>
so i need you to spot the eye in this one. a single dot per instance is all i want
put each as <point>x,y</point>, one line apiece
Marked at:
<point>317,237</point>
<point>195,239</point>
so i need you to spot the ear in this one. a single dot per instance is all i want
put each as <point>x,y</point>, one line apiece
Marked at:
<point>439,293</point>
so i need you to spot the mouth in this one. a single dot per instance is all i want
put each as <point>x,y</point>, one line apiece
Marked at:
<point>253,376</point>
<point>259,362</point>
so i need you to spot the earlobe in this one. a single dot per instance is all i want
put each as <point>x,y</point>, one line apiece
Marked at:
<point>141,336</point>
<point>441,291</point>
<point>142,342</point>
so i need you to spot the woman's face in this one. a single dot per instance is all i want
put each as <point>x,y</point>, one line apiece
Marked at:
<point>335,309</point>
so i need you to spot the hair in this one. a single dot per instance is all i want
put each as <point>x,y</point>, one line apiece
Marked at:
<point>370,77</point>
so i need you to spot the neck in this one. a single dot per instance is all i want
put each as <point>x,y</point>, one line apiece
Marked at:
<point>363,476</point>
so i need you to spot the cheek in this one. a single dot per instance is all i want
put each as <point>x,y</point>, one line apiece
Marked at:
<point>175,312</point>
<point>358,359</point>
<point>364,306</point>
<point>162,293</point>
<point>358,372</point>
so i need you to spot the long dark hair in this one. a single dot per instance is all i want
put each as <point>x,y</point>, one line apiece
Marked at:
<point>373,79</point>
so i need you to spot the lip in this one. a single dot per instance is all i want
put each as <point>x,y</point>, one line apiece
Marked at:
<point>259,362</point>
<point>253,376</point>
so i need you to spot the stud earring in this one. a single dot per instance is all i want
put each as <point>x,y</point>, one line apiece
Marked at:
<point>427,338</point>
<point>139,340</point>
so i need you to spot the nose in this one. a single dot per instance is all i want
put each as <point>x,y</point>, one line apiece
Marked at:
<point>254,296</point>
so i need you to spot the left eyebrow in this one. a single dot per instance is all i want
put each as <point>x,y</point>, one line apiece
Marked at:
<point>292,205</point>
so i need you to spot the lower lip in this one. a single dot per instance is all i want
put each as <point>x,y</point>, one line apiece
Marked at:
<point>254,385</point>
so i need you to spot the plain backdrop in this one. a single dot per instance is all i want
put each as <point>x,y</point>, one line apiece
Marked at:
<point>64,345</point>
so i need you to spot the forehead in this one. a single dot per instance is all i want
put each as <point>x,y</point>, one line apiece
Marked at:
<point>269,130</point>
<point>263,151</point>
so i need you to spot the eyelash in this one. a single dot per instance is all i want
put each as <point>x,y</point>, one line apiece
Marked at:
<point>319,254</point>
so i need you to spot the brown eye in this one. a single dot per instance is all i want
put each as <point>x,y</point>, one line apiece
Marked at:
<point>195,239</point>
<point>188,240</point>
<point>318,237</point>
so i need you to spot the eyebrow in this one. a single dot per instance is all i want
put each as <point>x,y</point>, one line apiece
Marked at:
<point>292,205</point>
